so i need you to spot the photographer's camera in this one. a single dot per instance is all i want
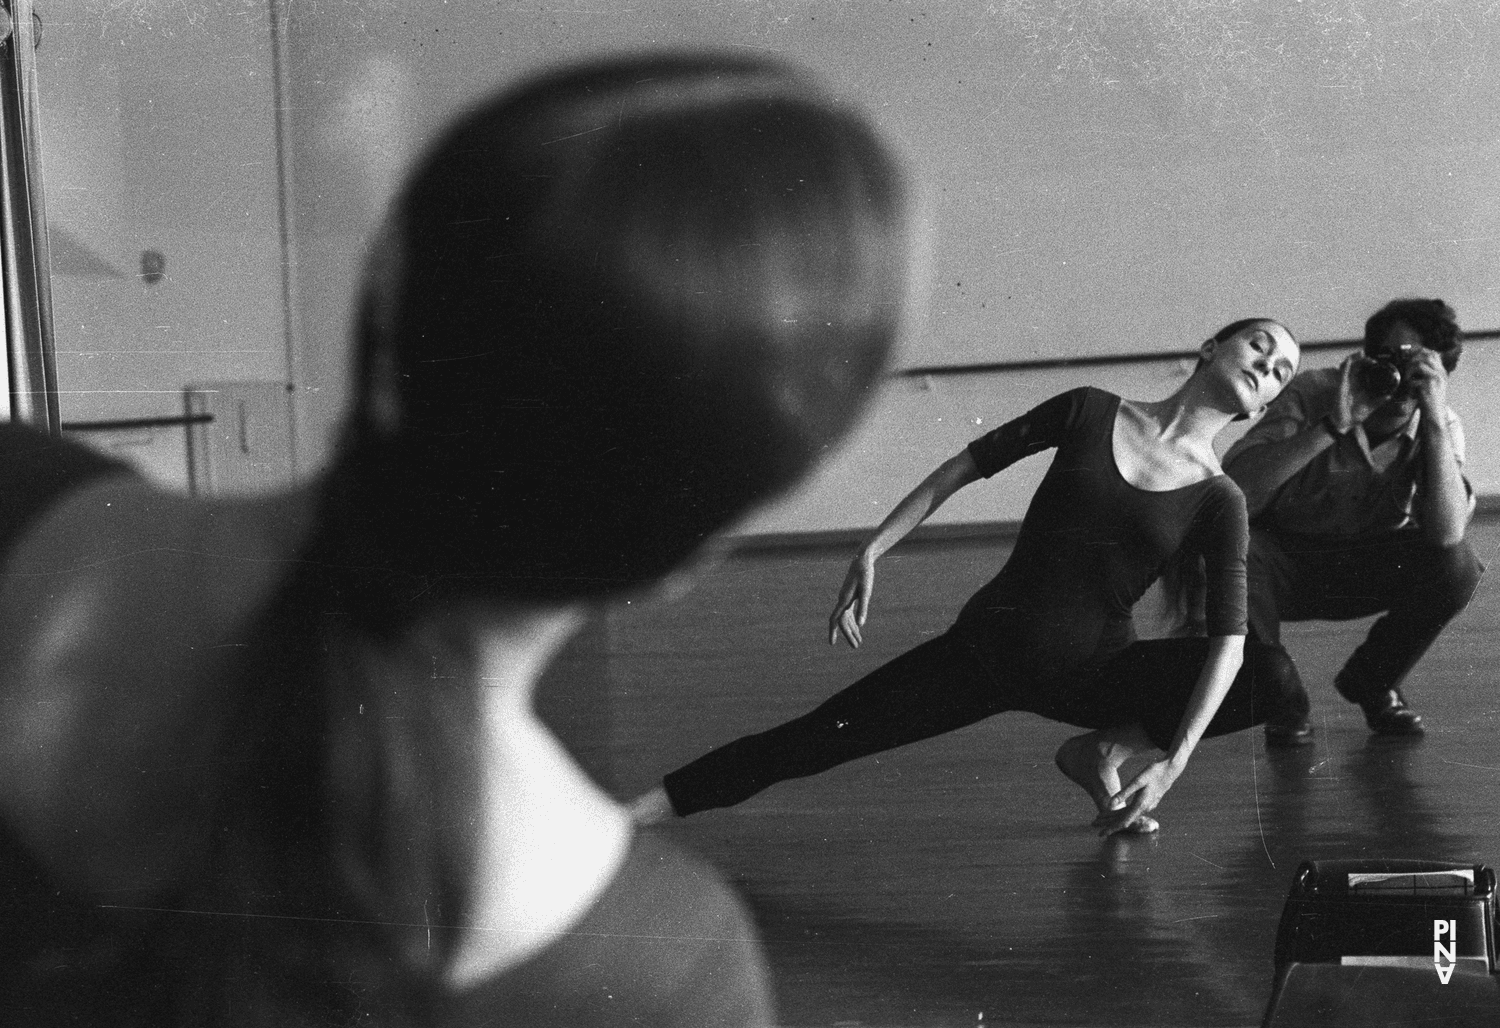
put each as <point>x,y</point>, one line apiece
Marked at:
<point>1381,373</point>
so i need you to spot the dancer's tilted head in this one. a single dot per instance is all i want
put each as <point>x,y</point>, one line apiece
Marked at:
<point>1249,362</point>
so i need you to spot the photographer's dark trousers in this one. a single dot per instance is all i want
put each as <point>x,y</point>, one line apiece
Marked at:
<point>1417,586</point>
<point>941,686</point>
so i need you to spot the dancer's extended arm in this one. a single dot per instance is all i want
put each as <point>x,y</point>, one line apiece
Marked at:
<point>853,604</point>
<point>1145,790</point>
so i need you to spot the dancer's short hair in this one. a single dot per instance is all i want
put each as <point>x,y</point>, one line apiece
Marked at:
<point>614,309</point>
<point>1235,327</point>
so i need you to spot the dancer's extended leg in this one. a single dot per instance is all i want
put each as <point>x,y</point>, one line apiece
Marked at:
<point>937,687</point>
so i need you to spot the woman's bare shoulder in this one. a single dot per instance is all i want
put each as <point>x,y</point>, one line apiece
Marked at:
<point>115,517</point>
<point>123,609</point>
<point>120,557</point>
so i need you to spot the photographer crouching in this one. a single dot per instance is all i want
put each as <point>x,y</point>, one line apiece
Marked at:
<point>1358,506</point>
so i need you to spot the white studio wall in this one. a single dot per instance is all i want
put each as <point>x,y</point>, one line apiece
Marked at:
<point>160,170</point>
<point>1100,177</point>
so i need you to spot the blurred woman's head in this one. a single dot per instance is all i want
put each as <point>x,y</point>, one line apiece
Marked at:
<point>613,310</point>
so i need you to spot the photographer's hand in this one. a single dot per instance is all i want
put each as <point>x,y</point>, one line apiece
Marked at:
<point>1352,403</point>
<point>1429,383</point>
<point>1443,498</point>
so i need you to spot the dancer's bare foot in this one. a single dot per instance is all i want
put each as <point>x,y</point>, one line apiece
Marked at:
<point>1093,763</point>
<point>1086,763</point>
<point>1141,824</point>
<point>650,808</point>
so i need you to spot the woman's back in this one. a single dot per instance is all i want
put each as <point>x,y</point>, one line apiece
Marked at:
<point>185,813</point>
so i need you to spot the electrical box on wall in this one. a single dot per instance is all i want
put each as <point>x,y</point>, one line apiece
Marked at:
<point>239,438</point>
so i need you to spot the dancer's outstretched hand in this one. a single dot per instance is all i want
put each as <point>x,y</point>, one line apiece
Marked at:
<point>853,605</point>
<point>1138,798</point>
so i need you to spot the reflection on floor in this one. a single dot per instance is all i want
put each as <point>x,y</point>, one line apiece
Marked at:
<point>956,882</point>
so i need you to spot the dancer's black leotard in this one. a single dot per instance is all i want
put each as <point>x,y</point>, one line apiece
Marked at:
<point>1092,543</point>
<point>1051,633</point>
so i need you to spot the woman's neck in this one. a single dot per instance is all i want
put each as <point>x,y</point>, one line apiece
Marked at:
<point>1166,444</point>
<point>548,841</point>
<point>1188,417</point>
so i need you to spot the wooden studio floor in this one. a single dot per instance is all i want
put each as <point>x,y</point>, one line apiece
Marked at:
<point>956,882</point>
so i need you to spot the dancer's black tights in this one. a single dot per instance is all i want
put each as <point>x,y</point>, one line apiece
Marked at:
<point>941,685</point>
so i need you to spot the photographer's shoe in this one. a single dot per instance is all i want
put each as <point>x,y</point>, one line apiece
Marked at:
<point>1387,714</point>
<point>1289,733</point>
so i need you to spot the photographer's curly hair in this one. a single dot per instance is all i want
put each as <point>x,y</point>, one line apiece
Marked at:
<point>1433,320</point>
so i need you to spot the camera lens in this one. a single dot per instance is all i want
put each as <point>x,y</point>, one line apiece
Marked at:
<point>1377,377</point>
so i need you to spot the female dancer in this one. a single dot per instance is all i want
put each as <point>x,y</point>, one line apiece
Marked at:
<point>274,762</point>
<point>1132,484</point>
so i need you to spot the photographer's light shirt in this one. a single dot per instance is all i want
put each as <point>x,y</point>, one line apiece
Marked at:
<point>1351,488</point>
